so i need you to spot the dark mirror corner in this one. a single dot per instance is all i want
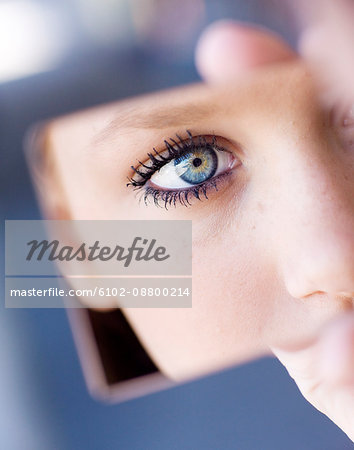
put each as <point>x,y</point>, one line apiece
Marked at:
<point>122,355</point>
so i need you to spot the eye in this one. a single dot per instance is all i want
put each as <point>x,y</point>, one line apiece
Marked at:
<point>187,168</point>
<point>192,168</point>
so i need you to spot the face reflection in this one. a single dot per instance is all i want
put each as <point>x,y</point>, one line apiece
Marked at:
<point>267,179</point>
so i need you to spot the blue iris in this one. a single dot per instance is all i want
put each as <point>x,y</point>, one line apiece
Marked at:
<point>196,166</point>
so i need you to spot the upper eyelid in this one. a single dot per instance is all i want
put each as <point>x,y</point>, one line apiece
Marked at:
<point>236,146</point>
<point>172,115</point>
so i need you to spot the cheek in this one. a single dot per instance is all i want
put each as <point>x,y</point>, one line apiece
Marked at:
<point>230,312</point>
<point>236,286</point>
<point>90,191</point>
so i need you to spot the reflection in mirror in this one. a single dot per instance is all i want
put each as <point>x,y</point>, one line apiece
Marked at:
<point>253,166</point>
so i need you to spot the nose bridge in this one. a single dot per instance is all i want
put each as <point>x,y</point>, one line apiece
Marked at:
<point>314,230</point>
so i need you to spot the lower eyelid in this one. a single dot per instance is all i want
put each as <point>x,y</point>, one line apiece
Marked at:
<point>166,198</point>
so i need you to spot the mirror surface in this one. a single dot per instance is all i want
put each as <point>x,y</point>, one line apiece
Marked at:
<point>255,176</point>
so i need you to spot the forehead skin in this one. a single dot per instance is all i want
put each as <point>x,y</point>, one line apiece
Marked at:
<point>239,301</point>
<point>266,90</point>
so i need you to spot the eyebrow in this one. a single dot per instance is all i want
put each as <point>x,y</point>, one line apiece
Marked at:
<point>156,119</point>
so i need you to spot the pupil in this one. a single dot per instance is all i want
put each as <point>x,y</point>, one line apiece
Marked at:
<point>197,162</point>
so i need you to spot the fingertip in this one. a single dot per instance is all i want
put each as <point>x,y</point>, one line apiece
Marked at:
<point>227,49</point>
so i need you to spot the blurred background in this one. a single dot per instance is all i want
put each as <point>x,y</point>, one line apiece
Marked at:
<point>57,56</point>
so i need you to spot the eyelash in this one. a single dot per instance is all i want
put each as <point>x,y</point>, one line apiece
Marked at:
<point>175,149</point>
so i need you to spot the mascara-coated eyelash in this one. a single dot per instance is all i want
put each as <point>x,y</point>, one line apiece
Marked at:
<point>186,167</point>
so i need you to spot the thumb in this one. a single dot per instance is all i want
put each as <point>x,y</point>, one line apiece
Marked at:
<point>324,372</point>
<point>227,49</point>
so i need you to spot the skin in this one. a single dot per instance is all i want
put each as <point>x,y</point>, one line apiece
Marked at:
<point>264,245</point>
<point>324,371</point>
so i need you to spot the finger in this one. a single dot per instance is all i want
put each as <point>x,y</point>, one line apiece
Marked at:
<point>327,44</point>
<point>227,49</point>
<point>323,372</point>
<point>336,352</point>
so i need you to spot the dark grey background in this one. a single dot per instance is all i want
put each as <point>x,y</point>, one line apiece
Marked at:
<point>43,400</point>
